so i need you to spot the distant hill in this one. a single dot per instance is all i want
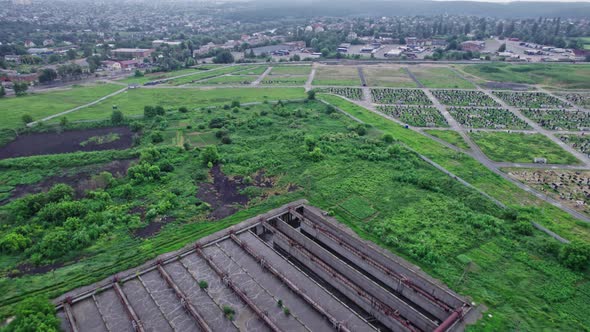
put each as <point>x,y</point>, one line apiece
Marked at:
<point>277,9</point>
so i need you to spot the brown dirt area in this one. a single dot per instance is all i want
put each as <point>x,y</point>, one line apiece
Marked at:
<point>81,182</point>
<point>224,194</point>
<point>65,142</point>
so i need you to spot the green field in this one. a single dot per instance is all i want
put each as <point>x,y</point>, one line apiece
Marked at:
<point>229,80</point>
<point>337,75</point>
<point>521,148</point>
<point>388,77</point>
<point>440,77</point>
<point>290,70</point>
<point>40,105</point>
<point>256,70</point>
<point>160,76</point>
<point>208,74</point>
<point>133,101</point>
<point>380,188</point>
<point>551,75</point>
<point>449,136</point>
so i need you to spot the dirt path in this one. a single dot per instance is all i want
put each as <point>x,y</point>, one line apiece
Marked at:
<point>77,108</point>
<point>413,77</point>
<point>310,79</point>
<point>262,77</point>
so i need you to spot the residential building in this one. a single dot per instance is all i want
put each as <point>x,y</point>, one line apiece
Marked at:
<point>132,52</point>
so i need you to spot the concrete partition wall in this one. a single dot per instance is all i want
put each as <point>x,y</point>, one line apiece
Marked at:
<point>350,293</point>
<point>391,281</point>
<point>397,265</point>
<point>375,290</point>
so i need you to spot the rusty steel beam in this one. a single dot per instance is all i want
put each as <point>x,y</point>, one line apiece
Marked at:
<point>137,325</point>
<point>70,315</point>
<point>186,303</point>
<point>339,326</point>
<point>454,317</point>
<point>261,314</point>
<point>376,303</point>
<point>396,276</point>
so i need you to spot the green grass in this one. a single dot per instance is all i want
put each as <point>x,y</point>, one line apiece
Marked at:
<point>160,76</point>
<point>358,207</point>
<point>256,70</point>
<point>40,105</point>
<point>449,136</point>
<point>439,77</point>
<point>423,215</point>
<point>337,75</point>
<point>229,80</point>
<point>521,148</point>
<point>290,70</point>
<point>208,74</point>
<point>133,101</point>
<point>388,77</point>
<point>550,75</point>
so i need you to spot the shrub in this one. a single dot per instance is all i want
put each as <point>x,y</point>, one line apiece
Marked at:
<point>34,314</point>
<point>286,311</point>
<point>316,154</point>
<point>203,284</point>
<point>575,255</point>
<point>226,140</point>
<point>183,109</point>
<point>166,166</point>
<point>157,137</point>
<point>229,312</point>
<point>27,118</point>
<point>235,104</point>
<point>388,138</point>
<point>117,117</point>
<point>523,228</point>
<point>210,155</point>
<point>136,126</point>
<point>217,123</point>
<point>311,95</point>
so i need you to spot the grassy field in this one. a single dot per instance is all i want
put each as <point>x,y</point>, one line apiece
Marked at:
<point>550,75</point>
<point>440,77</point>
<point>164,75</point>
<point>209,74</point>
<point>290,70</point>
<point>133,101</point>
<point>521,148</point>
<point>337,75</point>
<point>449,136</point>
<point>388,77</point>
<point>450,231</point>
<point>40,105</point>
<point>257,71</point>
<point>229,80</point>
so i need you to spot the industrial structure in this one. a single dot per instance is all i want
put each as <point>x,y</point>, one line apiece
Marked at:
<point>291,269</point>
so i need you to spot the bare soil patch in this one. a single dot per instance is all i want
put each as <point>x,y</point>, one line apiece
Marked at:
<point>65,142</point>
<point>224,195</point>
<point>153,227</point>
<point>81,182</point>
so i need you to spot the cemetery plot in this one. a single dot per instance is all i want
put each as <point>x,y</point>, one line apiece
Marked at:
<point>492,118</point>
<point>559,119</point>
<point>400,96</point>
<point>521,148</point>
<point>350,93</point>
<point>337,75</point>
<point>578,142</point>
<point>570,187</point>
<point>463,98</point>
<point>417,116</point>
<point>530,99</point>
<point>440,77</point>
<point>579,99</point>
<point>388,77</point>
<point>290,70</point>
